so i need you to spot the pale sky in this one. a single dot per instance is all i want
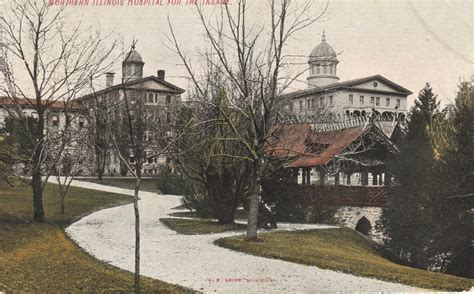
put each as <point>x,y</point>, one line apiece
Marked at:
<point>408,42</point>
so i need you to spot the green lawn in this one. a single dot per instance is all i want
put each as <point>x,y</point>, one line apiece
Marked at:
<point>240,214</point>
<point>342,250</point>
<point>198,226</point>
<point>41,258</point>
<point>148,185</point>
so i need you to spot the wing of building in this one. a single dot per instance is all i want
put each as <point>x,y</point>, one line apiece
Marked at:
<point>151,97</point>
<point>327,95</point>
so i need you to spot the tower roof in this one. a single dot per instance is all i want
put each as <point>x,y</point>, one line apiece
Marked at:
<point>323,51</point>
<point>133,56</point>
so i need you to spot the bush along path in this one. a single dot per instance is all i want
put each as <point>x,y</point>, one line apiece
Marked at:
<point>194,261</point>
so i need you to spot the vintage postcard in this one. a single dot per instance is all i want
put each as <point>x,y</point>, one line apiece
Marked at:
<point>236,146</point>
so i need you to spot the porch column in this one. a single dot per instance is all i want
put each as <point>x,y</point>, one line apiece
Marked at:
<point>308,176</point>
<point>322,176</point>
<point>365,178</point>
<point>374,179</point>
<point>387,179</point>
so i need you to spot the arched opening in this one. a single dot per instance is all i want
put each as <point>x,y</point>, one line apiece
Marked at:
<point>364,113</point>
<point>356,113</point>
<point>363,226</point>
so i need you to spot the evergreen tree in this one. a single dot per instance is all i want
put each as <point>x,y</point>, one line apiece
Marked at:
<point>455,225</point>
<point>409,220</point>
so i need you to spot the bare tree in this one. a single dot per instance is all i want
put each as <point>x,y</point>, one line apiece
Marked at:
<point>251,57</point>
<point>137,135</point>
<point>50,63</point>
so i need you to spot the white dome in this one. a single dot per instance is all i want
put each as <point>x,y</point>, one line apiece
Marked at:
<point>323,51</point>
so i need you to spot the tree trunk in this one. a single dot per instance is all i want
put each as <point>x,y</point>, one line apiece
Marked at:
<point>98,162</point>
<point>63,196</point>
<point>226,215</point>
<point>37,196</point>
<point>137,237</point>
<point>37,181</point>
<point>252,222</point>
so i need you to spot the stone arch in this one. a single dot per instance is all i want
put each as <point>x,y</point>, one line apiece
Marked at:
<point>364,226</point>
<point>356,113</point>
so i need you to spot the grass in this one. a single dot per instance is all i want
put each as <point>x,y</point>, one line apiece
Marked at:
<point>342,250</point>
<point>197,226</point>
<point>148,185</point>
<point>240,214</point>
<point>41,258</point>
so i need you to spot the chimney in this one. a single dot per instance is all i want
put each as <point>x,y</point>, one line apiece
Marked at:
<point>109,79</point>
<point>161,74</point>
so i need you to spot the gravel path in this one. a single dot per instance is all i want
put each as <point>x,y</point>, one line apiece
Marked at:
<point>194,261</point>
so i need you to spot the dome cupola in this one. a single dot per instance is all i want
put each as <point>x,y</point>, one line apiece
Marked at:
<point>322,65</point>
<point>132,66</point>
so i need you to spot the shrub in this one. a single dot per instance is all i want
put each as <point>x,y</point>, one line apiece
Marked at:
<point>290,207</point>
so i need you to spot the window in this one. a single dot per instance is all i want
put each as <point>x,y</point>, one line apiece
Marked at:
<point>387,102</point>
<point>313,103</point>
<point>55,121</point>
<point>308,104</point>
<point>361,100</point>
<point>377,101</point>
<point>318,70</point>
<point>150,98</point>
<point>331,100</point>
<point>132,96</point>
<point>81,122</point>
<point>398,103</point>
<point>301,105</point>
<point>351,99</point>
<point>372,100</point>
<point>321,102</point>
<point>168,99</point>
<point>156,98</point>
<point>325,69</point>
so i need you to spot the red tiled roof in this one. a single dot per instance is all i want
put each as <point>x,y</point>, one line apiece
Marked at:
<point>309,148</point>
<point>29,103</point>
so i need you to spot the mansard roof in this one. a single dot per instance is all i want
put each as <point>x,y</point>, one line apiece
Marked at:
<point>129,85</point>
<point>351,85</point>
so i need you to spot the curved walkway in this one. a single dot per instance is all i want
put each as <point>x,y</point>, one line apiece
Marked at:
<point>194,261</point>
